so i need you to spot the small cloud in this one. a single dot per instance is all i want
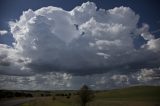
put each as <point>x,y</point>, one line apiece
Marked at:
<point>3,32</point>
<point>106,56</point>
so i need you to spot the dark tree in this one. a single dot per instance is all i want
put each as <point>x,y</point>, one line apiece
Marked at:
<point>53,98</point>
<point>42,95</point>
<point>85,95</point>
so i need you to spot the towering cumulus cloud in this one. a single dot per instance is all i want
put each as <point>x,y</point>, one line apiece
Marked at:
<point>83,42</point>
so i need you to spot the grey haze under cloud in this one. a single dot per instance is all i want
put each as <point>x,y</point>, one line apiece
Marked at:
<point>84,41</point>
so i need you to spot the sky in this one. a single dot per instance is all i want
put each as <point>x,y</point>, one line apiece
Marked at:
<point>63,44</point>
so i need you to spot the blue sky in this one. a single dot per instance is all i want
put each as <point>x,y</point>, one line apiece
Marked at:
<point>63,44</point>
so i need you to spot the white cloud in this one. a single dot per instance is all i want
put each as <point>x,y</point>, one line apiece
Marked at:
<point>144,32</point>
<point>146,74</point>
<point>153,45</point>
<point>106,56</point>
<point>3,32</point>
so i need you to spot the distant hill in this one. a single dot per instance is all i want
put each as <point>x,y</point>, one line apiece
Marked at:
<point>132,93</point>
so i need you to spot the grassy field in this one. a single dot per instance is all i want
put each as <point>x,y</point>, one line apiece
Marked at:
<point>134,96</point>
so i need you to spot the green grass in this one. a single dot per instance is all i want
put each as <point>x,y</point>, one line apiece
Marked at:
<point>132,93</point>
<point>47,101</point>
<point>133,96</point>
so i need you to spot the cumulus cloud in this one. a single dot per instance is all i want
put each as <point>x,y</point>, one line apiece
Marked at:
<point>120,79</point>
<point>3,32</point>
<point>50,81</point>
<point>146,75</point>
<point>83,41</point>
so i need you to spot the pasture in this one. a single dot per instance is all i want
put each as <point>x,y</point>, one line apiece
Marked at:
<point>133,96</point>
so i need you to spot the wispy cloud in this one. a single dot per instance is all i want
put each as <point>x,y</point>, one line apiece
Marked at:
<point>155,31</point>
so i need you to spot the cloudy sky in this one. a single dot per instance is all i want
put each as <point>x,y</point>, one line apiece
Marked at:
<point>58,44</point>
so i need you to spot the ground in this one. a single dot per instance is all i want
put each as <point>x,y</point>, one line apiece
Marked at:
<point>134,96</point>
